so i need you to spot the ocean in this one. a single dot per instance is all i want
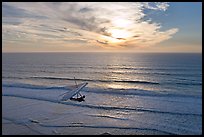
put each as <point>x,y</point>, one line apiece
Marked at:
<point>159,90</point>
<point>179,74</point>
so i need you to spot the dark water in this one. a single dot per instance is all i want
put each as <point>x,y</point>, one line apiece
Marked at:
<point>161,73</point>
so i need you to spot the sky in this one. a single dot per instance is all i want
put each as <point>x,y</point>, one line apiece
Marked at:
<point>102,27</point>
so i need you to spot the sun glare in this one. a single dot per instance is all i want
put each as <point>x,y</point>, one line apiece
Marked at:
<point>119,30</point>
<point>122,23</point>
<point>119,34</point>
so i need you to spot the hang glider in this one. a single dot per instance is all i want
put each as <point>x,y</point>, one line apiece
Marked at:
<point>70,94</point>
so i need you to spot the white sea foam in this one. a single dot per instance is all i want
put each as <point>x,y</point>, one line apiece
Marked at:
<point>183,108</point>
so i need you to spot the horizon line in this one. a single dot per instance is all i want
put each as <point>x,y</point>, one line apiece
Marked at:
<point>100,52</point>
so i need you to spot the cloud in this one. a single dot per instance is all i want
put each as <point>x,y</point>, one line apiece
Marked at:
<point>102,42</point>
<point>11,11</point>
<point>156,5</point>
<point>85,10</point>
<point>70,22</point>
<point>121,38</point>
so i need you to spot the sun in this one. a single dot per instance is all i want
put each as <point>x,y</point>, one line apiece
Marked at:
<point>119,33</point>
<point>121,22</point>
<point>117,36</point>
<point>119,30</point>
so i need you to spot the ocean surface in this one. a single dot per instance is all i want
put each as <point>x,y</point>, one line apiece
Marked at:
<point>167,85</point>
<point>175,74</point>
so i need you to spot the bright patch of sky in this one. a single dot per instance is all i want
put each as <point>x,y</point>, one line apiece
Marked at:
<point>101,26</point>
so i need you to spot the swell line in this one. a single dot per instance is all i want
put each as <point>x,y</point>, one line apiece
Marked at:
<point>104,116</point>
<point>96,80</point>
<point>84,126</point>
<point>103,107</point>
<point>110,127</point>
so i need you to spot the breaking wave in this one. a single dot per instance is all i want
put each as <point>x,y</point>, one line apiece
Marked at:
<point>94,80</point>
<point>103,107</point>
<point>112,91</point>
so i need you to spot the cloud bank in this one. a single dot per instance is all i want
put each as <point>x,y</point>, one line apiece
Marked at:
<point>107,25</point>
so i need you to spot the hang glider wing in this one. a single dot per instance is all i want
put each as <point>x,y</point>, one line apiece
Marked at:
<point>69,94</point>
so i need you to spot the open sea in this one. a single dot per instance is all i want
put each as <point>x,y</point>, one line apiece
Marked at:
<point>167,85</point>
<point>175,74</point>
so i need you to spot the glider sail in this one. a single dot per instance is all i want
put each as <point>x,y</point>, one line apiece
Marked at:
<point>69,94</point>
